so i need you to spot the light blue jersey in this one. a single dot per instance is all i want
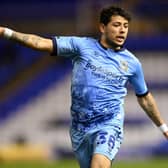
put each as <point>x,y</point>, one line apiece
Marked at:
<point>99,78</point>
<point>98,89</point>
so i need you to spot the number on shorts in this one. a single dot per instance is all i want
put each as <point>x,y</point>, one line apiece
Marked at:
<point>103,137</point>
<point>111,142</point>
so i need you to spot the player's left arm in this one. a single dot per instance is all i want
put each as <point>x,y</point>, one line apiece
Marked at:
<point>148,103</point>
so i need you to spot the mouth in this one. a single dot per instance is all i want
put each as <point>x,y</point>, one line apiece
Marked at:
<point>120,38</point>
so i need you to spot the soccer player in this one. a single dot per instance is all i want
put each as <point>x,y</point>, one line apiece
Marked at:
<point>101,70</point>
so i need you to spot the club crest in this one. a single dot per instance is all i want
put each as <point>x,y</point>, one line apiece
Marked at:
<point>124,65</point>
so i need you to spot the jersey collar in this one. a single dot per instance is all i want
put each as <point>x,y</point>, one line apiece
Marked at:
<point>105,48</point>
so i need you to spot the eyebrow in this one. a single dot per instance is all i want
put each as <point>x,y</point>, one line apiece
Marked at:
<point>120,22</point>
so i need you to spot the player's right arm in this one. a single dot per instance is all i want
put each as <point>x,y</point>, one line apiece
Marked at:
<point>30,40</point>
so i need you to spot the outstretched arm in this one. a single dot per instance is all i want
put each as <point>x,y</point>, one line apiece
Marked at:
<point>29,40</point>
<point>149,105</point>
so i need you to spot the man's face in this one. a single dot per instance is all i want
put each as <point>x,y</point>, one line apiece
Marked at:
<point>115,32</point>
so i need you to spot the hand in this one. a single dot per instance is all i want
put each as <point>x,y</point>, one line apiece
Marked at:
<point>166,134</point>
<point>1,31</point>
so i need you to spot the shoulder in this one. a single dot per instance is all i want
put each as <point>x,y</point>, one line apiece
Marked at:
<point>85,43</point>
<point>133,62</point>
<point>131,57</point>
<point>80,41</point>
<point>84,40</point>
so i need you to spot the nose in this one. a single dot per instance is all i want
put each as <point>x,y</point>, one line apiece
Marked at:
<point>122,29</point>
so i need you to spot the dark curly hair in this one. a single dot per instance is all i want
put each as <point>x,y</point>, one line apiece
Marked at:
<point>106,13</point>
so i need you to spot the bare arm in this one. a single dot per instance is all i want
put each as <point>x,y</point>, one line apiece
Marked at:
<point>150,107</point>
<point>30,40</point>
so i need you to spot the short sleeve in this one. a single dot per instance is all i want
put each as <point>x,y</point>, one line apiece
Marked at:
<point>65,46</point>
<point>138,81</point>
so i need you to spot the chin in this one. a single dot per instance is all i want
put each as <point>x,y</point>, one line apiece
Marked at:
<point>119,44</point>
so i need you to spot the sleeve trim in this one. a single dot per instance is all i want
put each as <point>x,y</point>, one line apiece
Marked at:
<point>141,95</point>
<point>54,52</point>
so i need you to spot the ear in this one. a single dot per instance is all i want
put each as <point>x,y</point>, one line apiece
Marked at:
<point>102,27</point>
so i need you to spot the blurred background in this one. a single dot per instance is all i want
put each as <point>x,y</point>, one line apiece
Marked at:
<point>35,87</point>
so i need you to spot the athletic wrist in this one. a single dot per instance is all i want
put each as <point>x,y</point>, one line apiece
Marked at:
<point>8,33</point>
<point>163,128</point>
